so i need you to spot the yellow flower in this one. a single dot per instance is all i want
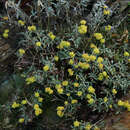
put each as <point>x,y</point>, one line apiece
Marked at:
<point>32,28</point>
<point>24,102</point>
<point>91,101</point>
<point>100,60</point>
<point>40,99</point>
<point>105,99</point>
<point>71,72</point>
<point>88,96</point>
<point>76,84</point>
<point>68,94</point>
<point>110,106</point>
<point>126,53</point>
<point>120,103</point>
<point>91,89</point>
<point>56,58</point>
<point>106,12</point>
<point>60,90</point>
<point>65,83</point>
<point>6,30</point>
<point>102,41</point>
<point>60,108</point>
<point>38,44</point>
<point>15,105</point>
<point>36,94</point>
<point>114,91</point>
<point>48,90</point>
<point>79,93</point>
<point>126,104</point>
<point>38,111</point>
<point>82,29</point>
<point>21,51</point>
<point>104,73</point>
<point>100,66</point>
<point>100,77</point>
<point>60,113</point>
<point>108,28</point>
<point>22,23</point>
<point>92,57</point>
<point>46,68</point>
<point>63,44</point>
<point>66,102</point>
<point>58,86</point>
<point>30,80</point>
<point>83,22</point>
<point>96,51</point>
<point>72,54</point>
<point>21,120</point>
<point>86,56</point>
<point>83,65</point>
<point>76,123</point>
<point>51,35</point>
<point>88,126</point>
<point>36,106</point>
<point>92,45</point>
<point>74,101</point>
<point>71,62</point>
<point>98,36</point>
<point>5,35</point>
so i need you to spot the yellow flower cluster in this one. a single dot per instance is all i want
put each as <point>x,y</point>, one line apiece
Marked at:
<point>105,99</point>
<point>51,35</point>
<point>91,89</point>
<point>91,101</point>
<point>59,88</point>
<point>22,23</point>
<point>24,102</point>
<point>106,12</point>
<point>83,22</point>
<point>99,36</point>
<point>63,44</point>
<point>72,54</point>
<point>60,111</point>
<point>37,95</point>
<point>15,105</point>
<point>96,51</point>
<point>21,120</point>
<point>37,109</point>
<point>88,126</point>
<point>5,34</point>
<point>74,101</point>
<point>21,51</point>
<point>46,68</point>
<point>103,75</point>
<point>124,104</point>
<point>56,58</point>
<point>71,72</point>
<point>38,44</point>
<point>65,83</point>
<point>71,61</point>
<point>76,84</point>
<point>48,90</point>
<point>108,28</point>
<point>126,54</point>
<point>32,28</point>
<point>30,80</point>
<point>83,65</point>
<point>114,91</point>
<point>79,93</point>
<point>76,123</point>
<point>82,29</point>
